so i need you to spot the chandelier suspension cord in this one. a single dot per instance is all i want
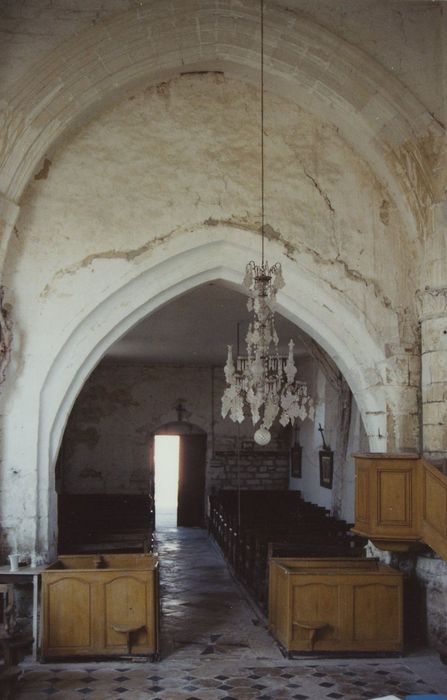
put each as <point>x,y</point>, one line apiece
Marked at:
<point>262,130</point>
<point>262,382</point>
<point>238,472</point>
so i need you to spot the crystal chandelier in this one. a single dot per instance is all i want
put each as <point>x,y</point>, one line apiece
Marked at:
<point>263,381</point>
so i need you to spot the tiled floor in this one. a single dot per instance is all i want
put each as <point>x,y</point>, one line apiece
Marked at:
<point>215,647</point>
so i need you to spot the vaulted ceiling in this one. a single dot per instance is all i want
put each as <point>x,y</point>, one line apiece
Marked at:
<point>195,329</point>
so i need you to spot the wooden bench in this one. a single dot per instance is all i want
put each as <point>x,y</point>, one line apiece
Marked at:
<point>121,523</point>
<point>274,522</point>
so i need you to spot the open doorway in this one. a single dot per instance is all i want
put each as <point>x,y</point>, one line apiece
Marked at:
<point>166,459</point>
<point>179,482</point>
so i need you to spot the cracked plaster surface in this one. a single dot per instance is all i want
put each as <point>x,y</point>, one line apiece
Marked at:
<point>31,29</point>
<point>168,161</point>
<point>157,167</point>
<point>151,169</point>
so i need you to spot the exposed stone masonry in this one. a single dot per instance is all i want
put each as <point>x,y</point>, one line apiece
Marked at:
<point>250,470</point>
<point>129,174</point>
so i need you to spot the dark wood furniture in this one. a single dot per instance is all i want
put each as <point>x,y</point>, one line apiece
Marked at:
<point>252,526</point>
<point>121,523</point>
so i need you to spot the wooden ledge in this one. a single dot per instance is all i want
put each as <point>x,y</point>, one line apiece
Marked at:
<point>128,631</point>
<point>313,628</point>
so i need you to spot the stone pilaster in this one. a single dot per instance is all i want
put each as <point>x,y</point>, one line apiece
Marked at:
<point>434,339</point>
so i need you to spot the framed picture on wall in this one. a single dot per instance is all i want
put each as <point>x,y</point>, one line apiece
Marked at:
<point>326,468</point>
<point>295,461</point>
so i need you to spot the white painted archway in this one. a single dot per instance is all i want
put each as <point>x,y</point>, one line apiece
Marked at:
<point>376,114</point>
<point>306,300</point>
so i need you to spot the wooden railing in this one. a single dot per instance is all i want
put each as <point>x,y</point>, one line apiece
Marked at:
<point>401,502</point>
<point>434,508</point>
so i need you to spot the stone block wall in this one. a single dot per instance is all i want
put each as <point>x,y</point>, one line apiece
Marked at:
<point>431,571</point>
<point>426,594</point>
<point>108,436</point>
<point>352,207</point>
<point>107,441</point>
<point>250,469</point>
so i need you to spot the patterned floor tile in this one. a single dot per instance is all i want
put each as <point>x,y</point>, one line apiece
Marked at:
<point>212,650</point>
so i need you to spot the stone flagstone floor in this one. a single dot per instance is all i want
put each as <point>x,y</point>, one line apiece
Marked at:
<point>215,646</point>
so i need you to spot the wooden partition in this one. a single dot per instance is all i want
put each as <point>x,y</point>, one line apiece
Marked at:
<point>104,605</point>
<point>335,605</point>
<point>387,505</point>
<point>99,522</point>
<point>401,502</point>
<point>433,527</point>
<point>252,526</point>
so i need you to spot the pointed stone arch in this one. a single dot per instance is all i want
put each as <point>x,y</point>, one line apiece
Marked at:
<point>330,320</point>
<point>154,42</point>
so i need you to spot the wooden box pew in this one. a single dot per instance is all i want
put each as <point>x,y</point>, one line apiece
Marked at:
<point>351,547</point>
<point>308,548</point>
<point>214,517</point>
<point>258,510</point>
<point>100,605</point>
<point>304,543</point>
<point>336,605</point>
<point>252,502</point>
<point>245,524</point>
<point>217,522</point>
<point>284,520</point>
<point>245,556</point>
<point>135,540</point>
<point>99,522</point>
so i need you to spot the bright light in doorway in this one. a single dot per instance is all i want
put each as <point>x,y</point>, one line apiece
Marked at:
<point>166,457</point>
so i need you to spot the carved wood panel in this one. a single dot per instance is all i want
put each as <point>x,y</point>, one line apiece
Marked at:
<point>98,612</point>
<point>401,502</point>
<point>376,612</point>
<point>394,497</point>
<point>327,607</point>
<point>67,624</point>
<point>362,490</point>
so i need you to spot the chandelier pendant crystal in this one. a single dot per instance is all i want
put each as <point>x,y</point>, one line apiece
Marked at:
<point>263,381</point>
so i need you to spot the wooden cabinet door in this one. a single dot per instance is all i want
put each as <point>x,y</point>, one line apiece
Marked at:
<point>377,613</point>
<point>191,485</point>
<point>128,602</point>
<point>316,601</point>
<point>81,610</point>
<point>67,619</point>
<point>342,608</point>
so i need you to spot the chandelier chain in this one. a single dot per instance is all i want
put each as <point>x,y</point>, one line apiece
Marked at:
<point>262,131</point>
<point>262,382</point>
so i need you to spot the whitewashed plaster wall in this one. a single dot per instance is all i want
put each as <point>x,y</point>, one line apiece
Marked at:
<point>328,413</point>
<point>310,440</point>
<point>404,37</point>
<point>366,165</point>
<point>106,443</point>
<point>393,127</point>
<point>174,166</point>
